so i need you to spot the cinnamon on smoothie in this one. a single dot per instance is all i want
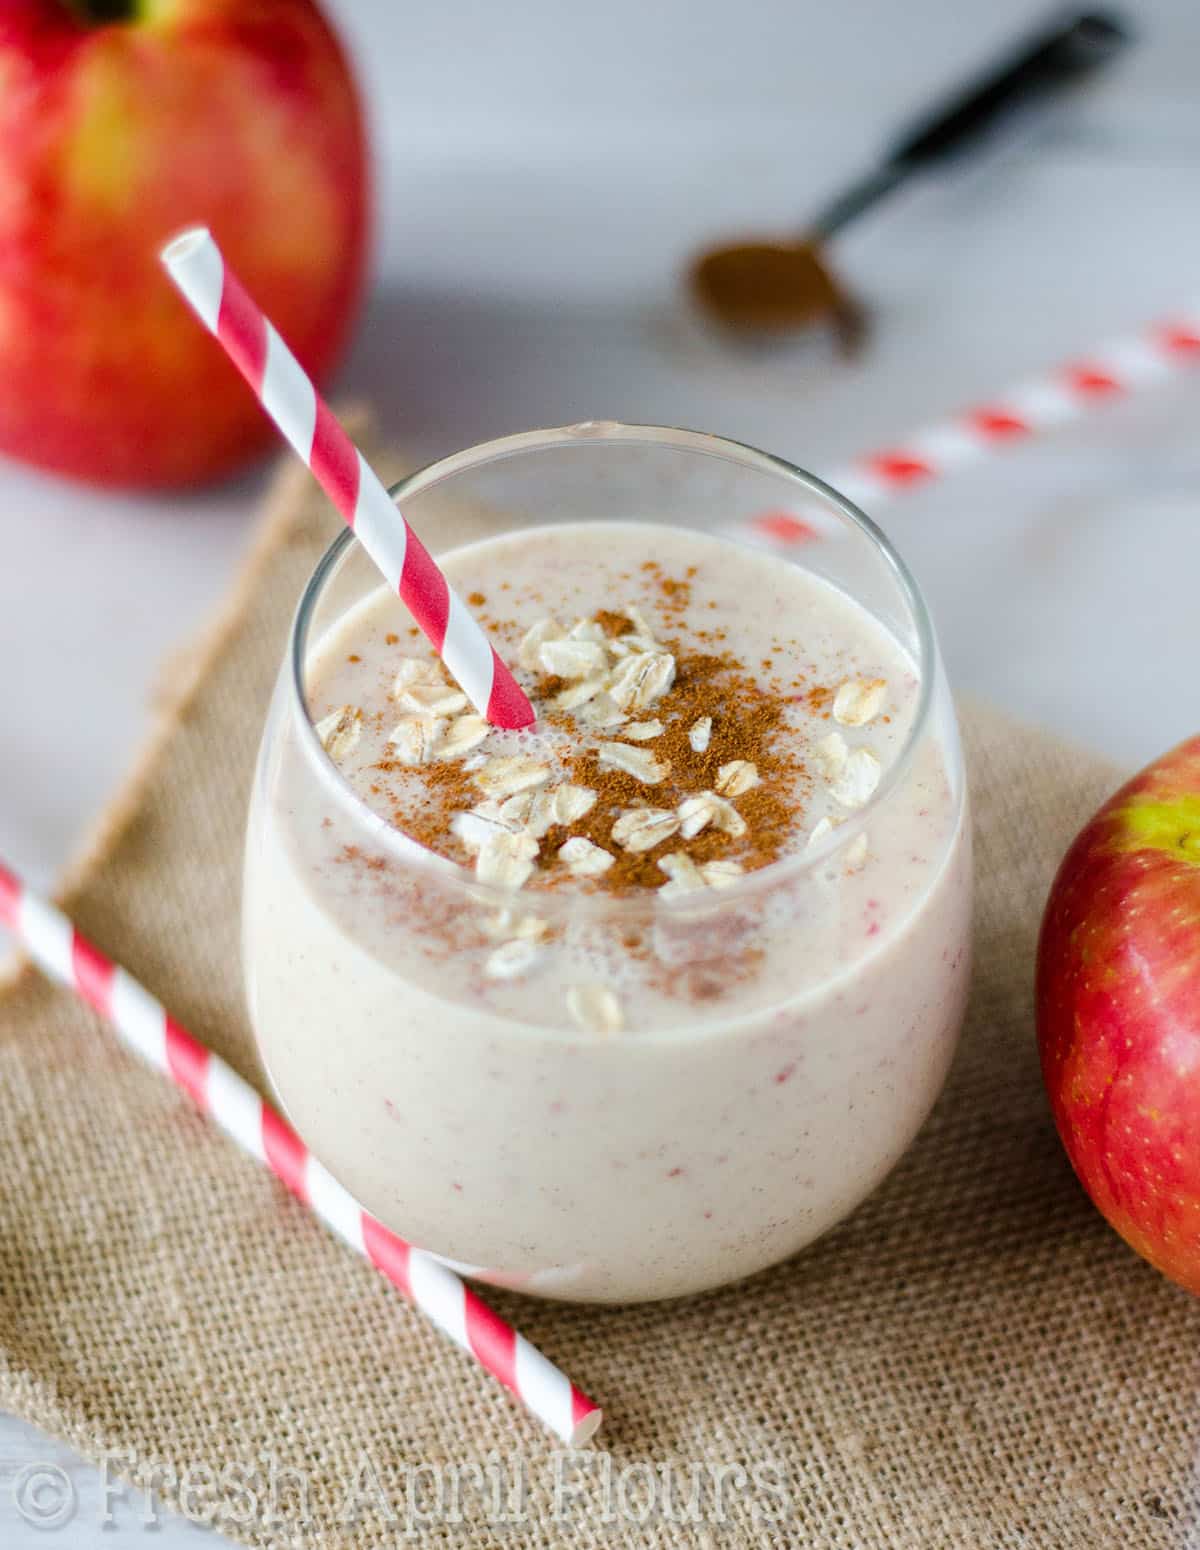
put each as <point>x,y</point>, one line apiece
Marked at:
<point>664,758</point>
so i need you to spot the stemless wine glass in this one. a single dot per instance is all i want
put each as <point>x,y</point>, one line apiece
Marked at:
<point>719,1130</point>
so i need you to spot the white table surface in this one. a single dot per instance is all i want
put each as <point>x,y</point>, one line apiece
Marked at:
<point>542,172</point>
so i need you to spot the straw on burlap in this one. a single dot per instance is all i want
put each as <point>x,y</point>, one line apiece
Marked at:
<point>972,1360</point>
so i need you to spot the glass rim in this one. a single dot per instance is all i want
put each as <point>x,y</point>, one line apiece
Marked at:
<point>616,433</point>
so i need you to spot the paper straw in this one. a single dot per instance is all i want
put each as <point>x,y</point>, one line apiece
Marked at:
<point>1115,370</point>
<point>289,396</point>
<point>144,1027</point>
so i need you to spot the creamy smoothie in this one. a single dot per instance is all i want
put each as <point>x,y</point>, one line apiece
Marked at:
<point>647,997</point>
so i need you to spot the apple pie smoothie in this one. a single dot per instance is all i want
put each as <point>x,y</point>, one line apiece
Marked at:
<point>643,998</point>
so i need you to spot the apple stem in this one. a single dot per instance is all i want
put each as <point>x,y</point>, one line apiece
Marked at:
<point>102,13</point>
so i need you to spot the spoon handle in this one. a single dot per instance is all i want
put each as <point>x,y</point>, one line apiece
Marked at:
<point>1063,53</point>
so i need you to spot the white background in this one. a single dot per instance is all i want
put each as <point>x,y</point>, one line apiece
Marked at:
<point>543,169</point>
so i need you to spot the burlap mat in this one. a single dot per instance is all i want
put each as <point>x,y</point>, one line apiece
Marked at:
<point>973,1359</point>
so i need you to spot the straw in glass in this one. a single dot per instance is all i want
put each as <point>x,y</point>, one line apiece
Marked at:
<point>289,396</point>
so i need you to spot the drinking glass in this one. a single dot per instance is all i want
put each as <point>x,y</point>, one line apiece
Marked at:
<point>726,1126</point>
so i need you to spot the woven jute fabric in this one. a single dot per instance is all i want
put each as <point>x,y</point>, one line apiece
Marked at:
<point>972,1360</point>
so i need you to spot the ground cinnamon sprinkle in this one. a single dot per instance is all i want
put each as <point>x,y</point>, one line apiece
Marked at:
<point>746,717</point>
<point>478,803</point>
<point>613,624</point>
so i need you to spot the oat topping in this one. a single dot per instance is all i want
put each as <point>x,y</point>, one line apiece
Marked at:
<point>635,642</point>
<point>642,679</point>
<point>538,811</point>
<point>677,755</point>
<point>644,828</point>
<point>602,713</point>
<point>415,739</point>
<point>625,719</point>
<point>638,762</point>
<point>572,658</point>
<point>687,877</point>
<point>642,632</point>
<point>831,754</point>
<point>602,676</point>
<point>539,816</point>
<point>821,828</point>
<point>583,859</point>
<point>736,777</point>
<point>511,960</point>
<point>856,783</point>
<point>696,813</point>
<point>504,776</point>
<point>515,810</point>
<point>859,700</point>
<point>571,803</point>
<point>418,670</point>
<point>632,646</point>
<point>720,874</point>
<point>588,629</point>
<point>595,1008</point>
<point>475,827</point>
<point>684,874</point>
<point>506,859</point>
<point>528,653</point>
<point>857,851</point>
<point>579,693</point>
<point>340,731</point>
<point>462,735</point>
<point>507,925</point>
<point>432,699</point>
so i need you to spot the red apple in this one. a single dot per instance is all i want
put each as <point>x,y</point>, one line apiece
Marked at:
<point>1118,1002</point>
<point>120,122</point>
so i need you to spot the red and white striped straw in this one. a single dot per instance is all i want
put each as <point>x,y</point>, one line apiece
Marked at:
<point>143,1025</point>
<point>1115,370</point>
<point>289,396</point>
